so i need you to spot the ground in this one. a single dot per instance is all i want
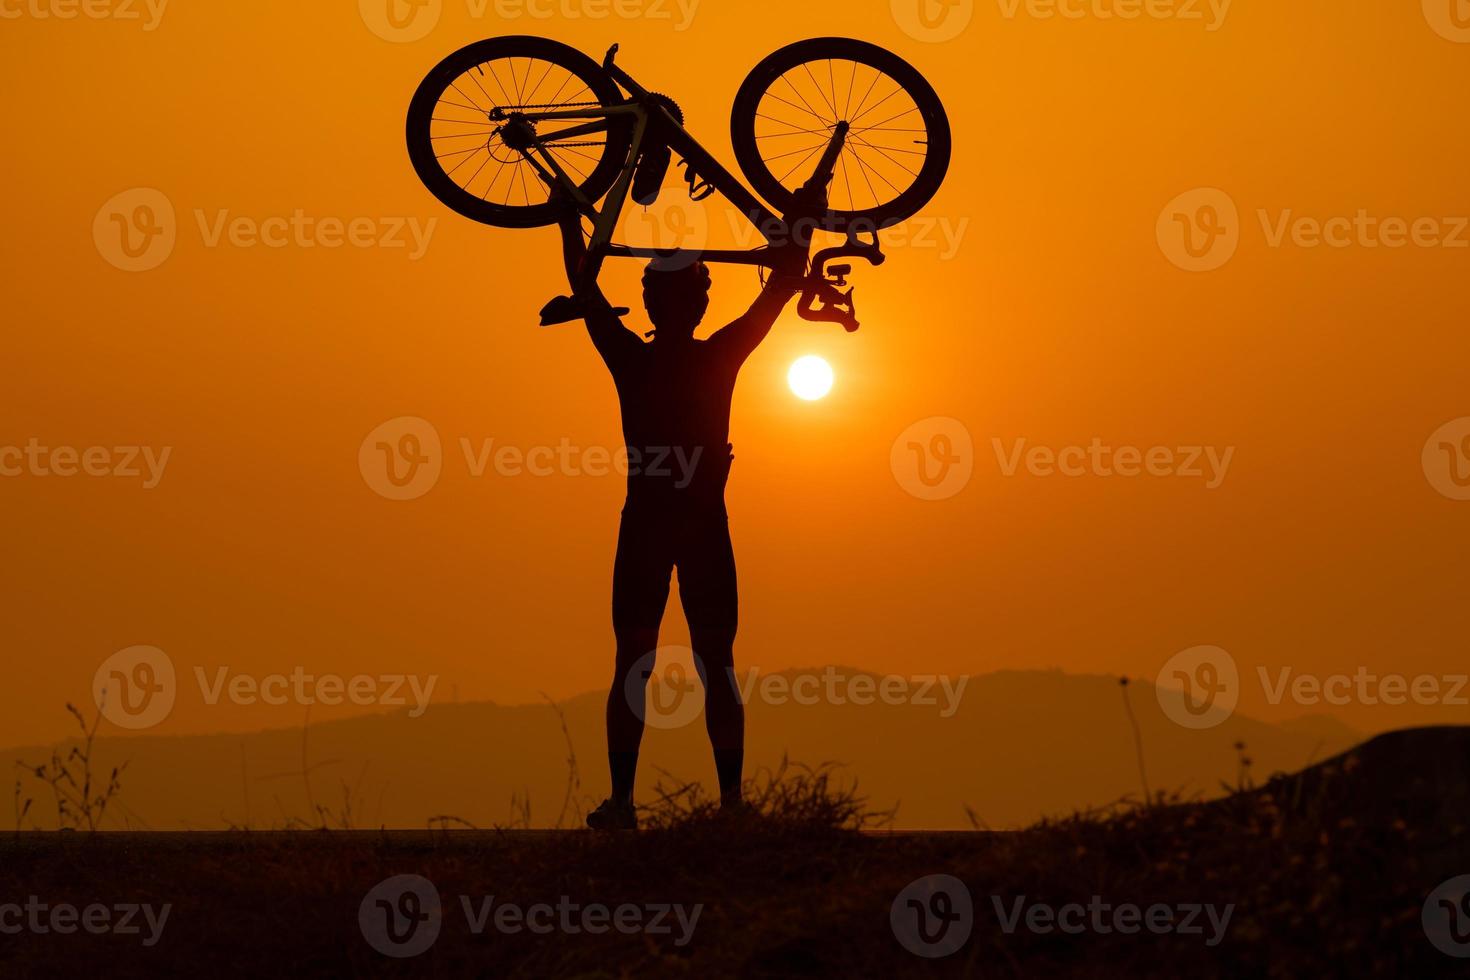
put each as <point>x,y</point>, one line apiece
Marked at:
<point>1324,873</point>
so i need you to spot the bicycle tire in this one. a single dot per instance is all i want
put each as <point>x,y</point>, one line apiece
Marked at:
<point>418,127</point>
<point>747,153</point>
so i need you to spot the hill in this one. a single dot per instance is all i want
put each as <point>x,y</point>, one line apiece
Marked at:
<point>1012,747</point>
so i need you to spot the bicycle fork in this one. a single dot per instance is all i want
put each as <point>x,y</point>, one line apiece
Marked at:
<point>823,283</point>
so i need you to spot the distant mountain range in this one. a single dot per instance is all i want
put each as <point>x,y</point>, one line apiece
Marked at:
<point>1015,747</point>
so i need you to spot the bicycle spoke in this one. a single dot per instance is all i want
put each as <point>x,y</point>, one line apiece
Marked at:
<point>782,178</point>
<point>795,128</point>
<point>861,170</point>
<point>890,149</point>
<point>532,95</point>
<point>466,97</point>
<point>472,151</point>
<point>516,82</point>
<point>495,179</point>
<point>572,165</point>
<point>488,157</point>
<point>897,163</point>
<point>773,95</point>
<point>525,193</point>
<point>864,129</point>
<point>847,181</point>
<point>585,156</point>
<point>877,104</point>
<point>495,74</point>
<point>456,153</point>
<point>557,93</point>
<point>864,101</point>
<point>817,85</point>
<point>486,92</point>
<point>865,167</point>
<point>466,108</point>
<point>798,94</point>
<point>815,146</point>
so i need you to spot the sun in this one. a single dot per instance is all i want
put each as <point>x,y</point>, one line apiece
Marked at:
<point>810,377</point>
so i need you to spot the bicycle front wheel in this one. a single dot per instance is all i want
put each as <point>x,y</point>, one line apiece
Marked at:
<point>457,117</point>
<point>898,145</point>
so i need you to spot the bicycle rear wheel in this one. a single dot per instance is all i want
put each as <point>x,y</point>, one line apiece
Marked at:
<point>456,146</point>
<point>897,149</point>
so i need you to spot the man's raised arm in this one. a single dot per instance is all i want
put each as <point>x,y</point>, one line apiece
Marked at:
<point>745,334</point>
<point>587,303</point>
<point>786,280</point>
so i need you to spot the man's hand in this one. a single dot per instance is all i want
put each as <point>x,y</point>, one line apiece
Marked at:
<point>790,257</point>
<point>788,264</point>
<point>810,200</point>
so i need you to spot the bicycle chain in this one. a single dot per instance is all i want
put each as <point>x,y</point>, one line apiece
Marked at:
<point>554,105</point>
<point>548,105</point>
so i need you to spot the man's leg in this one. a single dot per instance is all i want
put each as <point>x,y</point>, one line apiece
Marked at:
<point>707,589</point>
<point>724,714</point>
<point>640,591</point>
<point>625,709</point>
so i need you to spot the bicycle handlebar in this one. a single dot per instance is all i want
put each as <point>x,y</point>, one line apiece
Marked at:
<point>837,306</point>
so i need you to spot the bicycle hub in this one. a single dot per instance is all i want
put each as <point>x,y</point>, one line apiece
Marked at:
<point>518,133</point>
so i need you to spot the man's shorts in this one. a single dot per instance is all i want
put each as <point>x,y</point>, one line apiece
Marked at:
<point>652,542</point>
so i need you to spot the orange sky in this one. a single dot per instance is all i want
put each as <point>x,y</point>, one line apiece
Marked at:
<point>1032,301</point>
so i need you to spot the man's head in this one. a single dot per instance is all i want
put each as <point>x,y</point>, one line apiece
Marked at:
<point>676,295</point>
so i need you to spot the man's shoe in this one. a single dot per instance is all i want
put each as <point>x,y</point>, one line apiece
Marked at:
<point>562,309</point>
<point>610,815</point>
<point>736,809</point>
<point>565,309</point>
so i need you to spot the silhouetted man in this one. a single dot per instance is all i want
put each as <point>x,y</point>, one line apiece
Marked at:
<point>675,395</point>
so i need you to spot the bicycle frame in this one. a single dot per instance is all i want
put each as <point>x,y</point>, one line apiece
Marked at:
<point>653,123</point>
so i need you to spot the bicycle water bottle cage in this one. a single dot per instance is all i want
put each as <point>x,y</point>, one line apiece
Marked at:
<point>653,162</point>
<point>699,188</point>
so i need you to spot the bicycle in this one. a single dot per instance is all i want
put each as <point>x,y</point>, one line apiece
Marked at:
<point>600,134</point>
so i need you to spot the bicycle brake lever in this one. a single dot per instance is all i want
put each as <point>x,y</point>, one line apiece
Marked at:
<point>837,306</point>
